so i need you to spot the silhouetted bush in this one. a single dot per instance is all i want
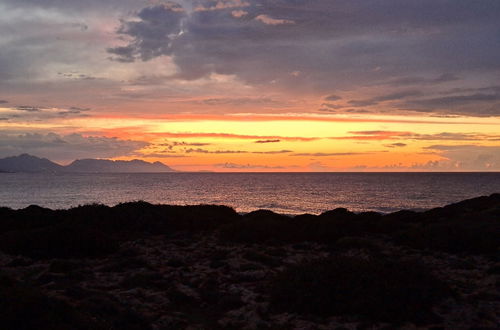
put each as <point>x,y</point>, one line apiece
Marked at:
<point>353,242</point>
<point>30,217</point>
<point>379,290</point>
<point>476,236</point>
<point>26,308</point>
<point>61,241</point>
<point>260,226</point>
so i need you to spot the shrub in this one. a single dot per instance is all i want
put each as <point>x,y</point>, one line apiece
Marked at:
<point>379,290</point>
<point>471,236</point>
<point>23,307</point>
<point>260,226</point>
<point>61,241</point>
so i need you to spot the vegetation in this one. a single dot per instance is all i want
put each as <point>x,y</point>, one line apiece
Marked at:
<point>376,289</point>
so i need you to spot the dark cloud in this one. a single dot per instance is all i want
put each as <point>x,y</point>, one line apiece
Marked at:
<point>479,104</point>
<point>205,151</point>
<point>158,26</point>
<point>170,145</point>
<point>395,145</point>
<point>246,166</point>
<point>267,141</point>
<point>333,97</point>
<point>28,108</point>
<point>332,106</point>
<point>240,101</point>
<point>399,38</point>
<point>386,97</point>
<point>3,101</point>
<point>272,152</point>
<point>76,76</point>
<point>79,109</point>
<point>296,46</point>
<point>419,80</point>
<point>329,154</point>
<point>395,135</point>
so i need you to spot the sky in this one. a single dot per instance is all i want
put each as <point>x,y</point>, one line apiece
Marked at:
<point>254,85</point>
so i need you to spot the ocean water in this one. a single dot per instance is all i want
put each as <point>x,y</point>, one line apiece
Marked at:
<point>288,193</point>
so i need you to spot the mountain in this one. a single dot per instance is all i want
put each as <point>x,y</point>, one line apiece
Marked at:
<point>28,163</point>
<point>107,166</point>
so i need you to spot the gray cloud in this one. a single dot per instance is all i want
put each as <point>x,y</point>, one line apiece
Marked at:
<point>245,166</point>
<point>387,97</point>
<point>358,36</point>
<point>268,141</point>
<point>477,103</point>
<point>272,152</point>
<point>467,157</point>
<point>28,108</point>
<point>66,147</point>
<point>339,46</point>
<point>332,97</point>
<point>395,145</point>
<point>395,135</point>
<point>419,80</point>
<point>240,101</point>
<point>3,101</point>
<point>205,151</point>
<point>153,34</point>
<point>328,154</point>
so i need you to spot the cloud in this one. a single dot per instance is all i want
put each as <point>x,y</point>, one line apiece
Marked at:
<point>67,147</point>
<point>205,151</point>
<point>468,157</point>
<point>395,135</point>
<point>395,145</point>
<point>223,4</point>
<point>329,154</point>
<point>159,155</point>
<point>246,166</point>
<point>387,97</point>
<point>373,135</point>
<point>3,101</point>
<point>268,141</point>
<point>266,19</point>
<point>332,97</point>
<point>30,113</point>
<point>349,31</point>
<point>239,13</point>
<point>475,103</point>
<point>236,136</point>
<point>250,44</point>
<point>346,46</point>
<point>153,33</point>
<point>240,101</point>
<point>171,145</point>
<point>272,152</point>
<point>419,80</point>
<point>28,108</point>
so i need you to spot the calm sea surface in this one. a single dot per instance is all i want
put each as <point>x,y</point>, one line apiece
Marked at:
<point>288,193</point>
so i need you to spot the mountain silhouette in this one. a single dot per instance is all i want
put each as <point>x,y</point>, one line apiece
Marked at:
<point>33,164</point>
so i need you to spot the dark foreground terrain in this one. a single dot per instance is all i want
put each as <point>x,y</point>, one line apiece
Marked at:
<point>143,266</point>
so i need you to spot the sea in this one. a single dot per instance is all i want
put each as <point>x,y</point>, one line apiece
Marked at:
<point>286,193</point>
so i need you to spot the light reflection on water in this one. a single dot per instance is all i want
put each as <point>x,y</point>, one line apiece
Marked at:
<point>289,193</point>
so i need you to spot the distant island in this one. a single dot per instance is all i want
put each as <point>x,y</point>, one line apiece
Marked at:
<point>31,164</point>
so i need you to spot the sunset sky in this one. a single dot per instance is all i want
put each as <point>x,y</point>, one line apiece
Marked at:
<point>254,85</point>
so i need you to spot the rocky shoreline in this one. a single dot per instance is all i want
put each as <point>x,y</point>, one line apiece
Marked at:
<point>143,266</point>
